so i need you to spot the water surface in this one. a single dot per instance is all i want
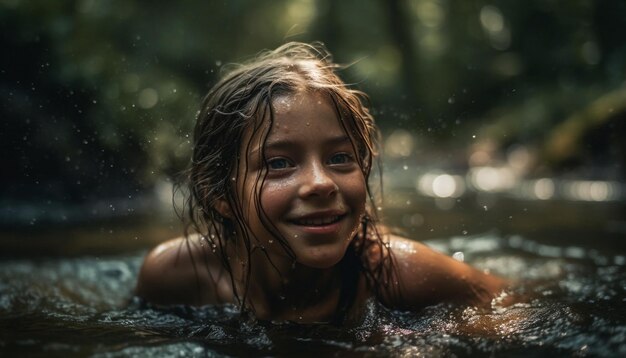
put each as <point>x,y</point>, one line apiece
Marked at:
<point>570,301</point>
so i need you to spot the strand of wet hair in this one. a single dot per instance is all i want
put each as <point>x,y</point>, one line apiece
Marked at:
<point>385,270</point>
<point>259,184</point>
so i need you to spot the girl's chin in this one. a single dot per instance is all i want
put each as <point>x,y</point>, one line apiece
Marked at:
<point>321,261</point>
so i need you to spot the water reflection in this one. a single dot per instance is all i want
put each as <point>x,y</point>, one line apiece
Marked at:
<point>492,179</point>
<point>436,184</point>
<point>543,188</point>
<point>590,190</point>
<point>501,180</point>
<point>484,172</point>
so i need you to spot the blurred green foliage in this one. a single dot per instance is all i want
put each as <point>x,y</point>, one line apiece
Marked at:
<point>98,98</point>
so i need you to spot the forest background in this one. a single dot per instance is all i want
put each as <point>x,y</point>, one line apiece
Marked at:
<point>98,98</point>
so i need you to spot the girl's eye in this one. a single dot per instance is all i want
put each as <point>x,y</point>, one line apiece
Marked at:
<point>278,163</point>
<point>340,158</point>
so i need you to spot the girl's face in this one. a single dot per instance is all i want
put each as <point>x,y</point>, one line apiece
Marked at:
<point>314,193</point>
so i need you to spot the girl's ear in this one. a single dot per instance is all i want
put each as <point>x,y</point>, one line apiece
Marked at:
<point>223,207</point>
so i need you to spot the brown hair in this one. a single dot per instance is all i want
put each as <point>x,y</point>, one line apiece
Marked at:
<point>242,101</point>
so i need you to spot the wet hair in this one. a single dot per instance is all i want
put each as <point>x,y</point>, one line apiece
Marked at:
<point>238,109</point>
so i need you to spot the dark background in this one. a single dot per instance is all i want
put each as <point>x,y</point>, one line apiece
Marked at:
<point>98,98</point>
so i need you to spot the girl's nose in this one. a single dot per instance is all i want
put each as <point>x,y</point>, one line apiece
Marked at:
<point>317,181</point>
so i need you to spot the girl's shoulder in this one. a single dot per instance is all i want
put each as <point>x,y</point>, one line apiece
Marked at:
<point>184,270</point>
<point>418,276</point>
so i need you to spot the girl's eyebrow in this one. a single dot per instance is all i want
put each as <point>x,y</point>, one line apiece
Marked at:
<point>286,144</point>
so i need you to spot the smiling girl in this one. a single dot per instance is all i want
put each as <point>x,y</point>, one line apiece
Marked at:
<point>282,220</point>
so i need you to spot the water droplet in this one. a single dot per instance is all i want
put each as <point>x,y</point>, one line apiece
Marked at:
<point>459,256</point>
<point>405,167</point>
<point>485,207</point>
<point>295,236</point>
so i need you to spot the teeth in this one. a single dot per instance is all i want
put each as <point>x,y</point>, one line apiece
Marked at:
<point>318,221</point>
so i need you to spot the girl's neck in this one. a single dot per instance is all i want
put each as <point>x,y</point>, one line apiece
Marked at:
<point>279,288</point>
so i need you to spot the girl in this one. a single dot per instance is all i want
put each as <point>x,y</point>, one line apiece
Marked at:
<point>282,219</point>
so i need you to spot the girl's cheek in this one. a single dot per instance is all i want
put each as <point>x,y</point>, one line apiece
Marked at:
<point>275,195</point>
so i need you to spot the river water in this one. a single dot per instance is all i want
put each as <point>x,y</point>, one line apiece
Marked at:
<point>567,258</point>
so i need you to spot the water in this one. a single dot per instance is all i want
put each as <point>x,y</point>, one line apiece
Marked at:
<point>569,302</point>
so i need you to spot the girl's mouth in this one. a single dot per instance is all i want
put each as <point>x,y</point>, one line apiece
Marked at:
<point>321,221</point>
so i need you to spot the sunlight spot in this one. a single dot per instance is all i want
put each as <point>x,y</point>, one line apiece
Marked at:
<point>459,256</point>
<point>492,179</point>
<point>429,13</point>
<point>586,190</point>
<point>298,16</point>
<point>519,158</point>
<point>148,98</point>
<point>399,144</point>
<point>479,158</point>
<point>544,188</point>
<point>491,18</point>
<point>404,246</point>
<point>599,191</point>
<point>494,24</point>
<point>445,186</point>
